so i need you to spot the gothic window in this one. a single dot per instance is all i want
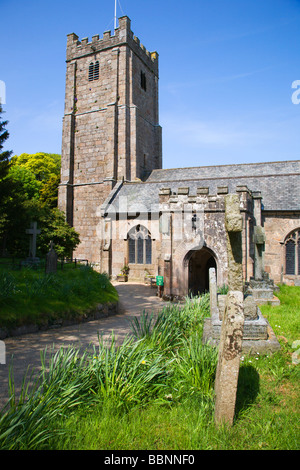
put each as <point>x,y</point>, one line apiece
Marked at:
<point>292,253</point>
<point>94,71</point>
<point>143,81</point>
<point>139,245</point>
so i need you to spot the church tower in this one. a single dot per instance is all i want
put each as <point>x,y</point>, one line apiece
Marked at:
<point>111,126</point>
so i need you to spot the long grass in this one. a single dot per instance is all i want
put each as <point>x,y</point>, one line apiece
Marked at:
<point>31,296</point>
<point>139,372</point>
<point>155,391</point>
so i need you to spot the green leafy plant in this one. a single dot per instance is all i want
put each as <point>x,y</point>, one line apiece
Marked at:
<point>125,270</point>
<point>197,364</point>
<point>223,290</point>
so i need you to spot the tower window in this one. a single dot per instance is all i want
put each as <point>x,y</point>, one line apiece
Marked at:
<point>94,71</point>
<point>91,72</point>
<point>143,81</point>
<point>292,253</point>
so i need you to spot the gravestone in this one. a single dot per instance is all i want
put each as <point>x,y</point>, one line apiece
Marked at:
<point>258,336</point>
<point>234,227</point>
<point>33,231</point>
<point>2,353</point>
<point>51,260</point>
<point>260,286</point>
<point>232,328</point>
<point>230,348</point>
<point>212,289</point>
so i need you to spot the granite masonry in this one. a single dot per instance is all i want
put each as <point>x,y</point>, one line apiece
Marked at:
<point>168,222</point>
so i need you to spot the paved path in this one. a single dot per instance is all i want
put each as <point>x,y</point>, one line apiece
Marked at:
<point>134,298</point>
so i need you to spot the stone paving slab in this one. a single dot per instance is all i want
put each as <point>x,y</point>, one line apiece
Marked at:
<point>25,350</point>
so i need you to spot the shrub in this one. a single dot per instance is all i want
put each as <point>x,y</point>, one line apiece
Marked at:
<point>8,287</point>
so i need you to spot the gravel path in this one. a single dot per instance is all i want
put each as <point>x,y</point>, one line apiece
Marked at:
<point>25,350</point>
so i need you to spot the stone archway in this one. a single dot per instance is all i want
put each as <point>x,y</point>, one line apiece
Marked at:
<point>198,264</point>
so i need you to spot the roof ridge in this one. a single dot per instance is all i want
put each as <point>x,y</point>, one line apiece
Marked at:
<point>228,164</point>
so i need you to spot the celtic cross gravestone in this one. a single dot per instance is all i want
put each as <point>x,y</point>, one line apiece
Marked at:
<point>33,231</point>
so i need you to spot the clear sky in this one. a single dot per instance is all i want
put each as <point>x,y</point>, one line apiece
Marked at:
<point>226,73</point>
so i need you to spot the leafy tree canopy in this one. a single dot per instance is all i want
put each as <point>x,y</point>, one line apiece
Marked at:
<point>30,188</point>
<point>42,165</point>
<point>4,156</point>
<point>25,181</point>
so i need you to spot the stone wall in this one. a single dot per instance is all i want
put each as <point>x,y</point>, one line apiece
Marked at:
<point>209,235</point>
<point>119,252</point>
<point>277,226</point>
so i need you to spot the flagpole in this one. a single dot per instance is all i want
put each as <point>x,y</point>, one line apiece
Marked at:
<point>115,14</point>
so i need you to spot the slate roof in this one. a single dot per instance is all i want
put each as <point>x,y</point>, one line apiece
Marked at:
<point>279,183</point>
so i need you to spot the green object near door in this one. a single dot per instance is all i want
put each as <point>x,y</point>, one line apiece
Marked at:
<point>159,280</point>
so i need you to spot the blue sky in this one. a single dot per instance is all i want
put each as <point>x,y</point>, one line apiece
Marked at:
<point>226,73</point>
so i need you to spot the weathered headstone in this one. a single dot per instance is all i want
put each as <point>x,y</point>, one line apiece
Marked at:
<point>259,241</point>
<point>213,289</point>
<point>260,286</point>
<point>230,348</point>
<point>2,353</point>
<point>51,260</point>
<point>250,308</point>
<point>232,328</point>
<point>257,333</point>
<point>33,231</point>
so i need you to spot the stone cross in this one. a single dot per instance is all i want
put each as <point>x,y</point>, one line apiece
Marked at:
<point>33,231</point>
<point>258,237</point>
<point>234,227</point>
<point>51,260</point>
<point>230,348</point>
<point>259,240</point>
<point>232,328</point>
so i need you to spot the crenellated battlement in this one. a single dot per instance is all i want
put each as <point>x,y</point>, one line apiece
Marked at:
<point>174,200</point>
<point>123,35</point>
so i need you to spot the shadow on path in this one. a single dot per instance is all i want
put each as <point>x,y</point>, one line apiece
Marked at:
<point>25,350</point>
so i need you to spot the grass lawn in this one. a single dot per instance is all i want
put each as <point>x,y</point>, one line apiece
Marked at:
<point>156,392</point>
<point>29,296</point>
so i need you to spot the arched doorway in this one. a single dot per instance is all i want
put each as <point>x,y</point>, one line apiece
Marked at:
<point>198,266</point>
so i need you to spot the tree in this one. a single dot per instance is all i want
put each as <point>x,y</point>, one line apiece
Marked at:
<point>42,165</point>
<point>4,168</point>
<point>49,191</point>
<point>55,228</point>
<point>4,156</point>
<point>33,189</point>
<point>26,181</point>
<point>41,174</point>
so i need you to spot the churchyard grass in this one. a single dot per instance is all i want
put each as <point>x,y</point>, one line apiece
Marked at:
<point>145,395</point>
<point>29,296</point>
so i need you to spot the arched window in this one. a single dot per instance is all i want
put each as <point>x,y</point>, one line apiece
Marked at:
<point>292,253</point>
<point>139,245</point>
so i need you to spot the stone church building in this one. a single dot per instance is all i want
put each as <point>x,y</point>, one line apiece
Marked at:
<point>130,211</point>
